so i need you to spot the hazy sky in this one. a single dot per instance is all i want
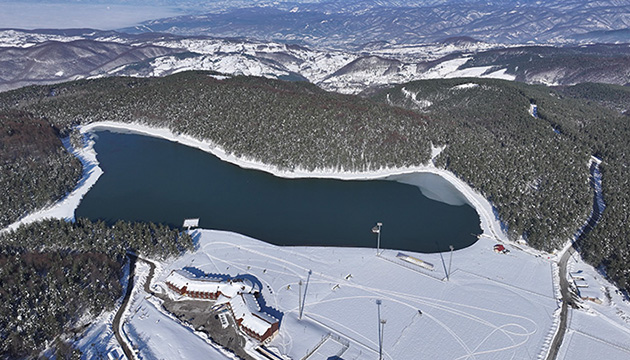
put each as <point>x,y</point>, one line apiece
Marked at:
<point>66,15</point>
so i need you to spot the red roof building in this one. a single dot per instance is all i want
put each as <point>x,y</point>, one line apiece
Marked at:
<point>239,295</point>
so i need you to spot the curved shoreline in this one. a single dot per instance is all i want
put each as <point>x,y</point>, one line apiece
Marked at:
<point>65,208</point>
<point>490,226</point>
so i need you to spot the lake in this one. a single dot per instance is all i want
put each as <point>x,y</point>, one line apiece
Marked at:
<point>152,179</point>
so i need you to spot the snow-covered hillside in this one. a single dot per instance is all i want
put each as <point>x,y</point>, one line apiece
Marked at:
<point>160,55</point>
<point>52,56</point>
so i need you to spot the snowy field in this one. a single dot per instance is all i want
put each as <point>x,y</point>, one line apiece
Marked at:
<point>495,306</point>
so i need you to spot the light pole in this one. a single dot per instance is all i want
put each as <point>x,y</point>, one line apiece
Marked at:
<point>450,261</point>
<point>300,300</point>
<point>380,331</point>
<point>380,353</point>
<point>305,290</point>
<point>377,230</point>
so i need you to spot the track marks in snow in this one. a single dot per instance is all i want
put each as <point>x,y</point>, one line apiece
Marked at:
<point>514,330</point>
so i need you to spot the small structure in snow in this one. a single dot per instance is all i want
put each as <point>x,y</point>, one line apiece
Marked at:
<point>577,275</point>
<point>191,223</point>
<point>224,320</point>
<point>415,261</point>
<point>582,280</point>
<point>533,110</point>
<point>499,248</point>
<point>580,283</point>
<point>184,282</point>
<point>593,295</point>
<point>115,354</point>
<point>251,319</point>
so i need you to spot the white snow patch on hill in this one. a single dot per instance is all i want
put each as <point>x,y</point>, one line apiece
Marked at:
<point>228,64</point>
<point>465,86</point>
<point>422,103</point>
<point>501,74</point>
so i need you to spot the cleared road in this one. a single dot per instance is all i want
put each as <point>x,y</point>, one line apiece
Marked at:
<point>567,299</point>
<point>116,323</point>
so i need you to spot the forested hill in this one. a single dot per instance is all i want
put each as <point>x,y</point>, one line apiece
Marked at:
<point>533,166</point>
<point>35,169</point>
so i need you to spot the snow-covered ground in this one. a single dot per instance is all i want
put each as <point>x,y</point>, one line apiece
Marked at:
<point>451,69</point>
<point>332,70</point>
<point>596,330</point>
<point>154,334</point>
<point>495,306</point>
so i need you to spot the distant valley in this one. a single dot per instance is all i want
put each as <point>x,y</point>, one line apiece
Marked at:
<point>52,56</point>
<point>351,24</point>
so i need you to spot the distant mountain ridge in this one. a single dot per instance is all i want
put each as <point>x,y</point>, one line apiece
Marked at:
<point>53,56</point>
<point>350,24</point>
<point>52,61</point>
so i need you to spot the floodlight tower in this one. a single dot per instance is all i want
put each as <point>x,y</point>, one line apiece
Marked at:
<point>305,290</point>
<point>450,261</point>
<point>382,323</point>
<point>300,300</point>
<point>380,330</point>
<point>377,230</point>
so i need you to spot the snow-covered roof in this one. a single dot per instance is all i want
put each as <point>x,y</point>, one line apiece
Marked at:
<point>208,283</point>
<point>246,308</point>
<point>580,283</point>
<point>590,293</point>
<point>577,275</point>
<point>188,223</point>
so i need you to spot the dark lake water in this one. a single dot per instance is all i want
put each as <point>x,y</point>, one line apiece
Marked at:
<point>150,179</point>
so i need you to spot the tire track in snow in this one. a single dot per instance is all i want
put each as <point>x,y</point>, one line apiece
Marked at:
<point>393,296</point>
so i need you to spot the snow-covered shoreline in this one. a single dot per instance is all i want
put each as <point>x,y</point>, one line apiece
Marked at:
<point>490,226</point>
<point>65,208</point>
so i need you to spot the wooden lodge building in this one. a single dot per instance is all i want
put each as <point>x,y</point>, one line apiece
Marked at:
<point>239,295</point>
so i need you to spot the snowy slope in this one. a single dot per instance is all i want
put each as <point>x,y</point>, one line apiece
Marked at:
<point>48,57</point>
<point>495,306</point>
